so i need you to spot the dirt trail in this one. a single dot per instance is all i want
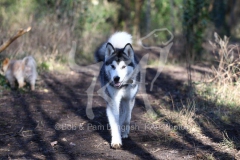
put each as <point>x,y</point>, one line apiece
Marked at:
<point>51,122</point>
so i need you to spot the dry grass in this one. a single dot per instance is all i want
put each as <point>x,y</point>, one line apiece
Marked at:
<point>228,59</point>
<point>209,107</point>
<point>53,30</point>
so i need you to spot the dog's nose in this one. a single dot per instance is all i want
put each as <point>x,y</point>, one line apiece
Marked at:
<point>116,79</point>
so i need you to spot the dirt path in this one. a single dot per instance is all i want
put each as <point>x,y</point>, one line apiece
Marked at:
<point>51,123</point>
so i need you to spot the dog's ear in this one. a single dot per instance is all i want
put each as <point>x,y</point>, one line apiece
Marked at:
<point>6,61</point>
<point>128,50</point>
<point>109,50</point>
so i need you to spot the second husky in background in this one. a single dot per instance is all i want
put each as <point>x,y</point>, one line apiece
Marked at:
<point>21,71</point>
<point>118,76</point>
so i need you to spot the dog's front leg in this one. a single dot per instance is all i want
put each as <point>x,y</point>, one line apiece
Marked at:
<point>128,105</point>
<point>113,118</point>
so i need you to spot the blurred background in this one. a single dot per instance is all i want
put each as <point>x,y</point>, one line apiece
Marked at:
<point>198,88</point>
<point>56,23</point>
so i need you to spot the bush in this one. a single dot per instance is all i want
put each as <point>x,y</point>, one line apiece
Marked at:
<point>228,59</point>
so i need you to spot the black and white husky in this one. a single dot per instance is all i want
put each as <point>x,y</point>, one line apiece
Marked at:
<point>119,77</point>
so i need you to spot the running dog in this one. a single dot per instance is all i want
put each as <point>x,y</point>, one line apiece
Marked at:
<point>119,74</point>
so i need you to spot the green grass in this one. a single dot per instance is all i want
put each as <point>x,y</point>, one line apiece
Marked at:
<point>2,80</point>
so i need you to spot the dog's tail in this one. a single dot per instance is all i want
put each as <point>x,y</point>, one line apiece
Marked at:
<point>29,61</point>
<point>118,40</point>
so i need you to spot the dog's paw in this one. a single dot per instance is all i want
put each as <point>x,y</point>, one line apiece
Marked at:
<point>116,145</point>
<point>124,135</point>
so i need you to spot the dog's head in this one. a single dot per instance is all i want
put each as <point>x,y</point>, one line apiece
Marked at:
<point>5,64</point>
<point>119,63</point>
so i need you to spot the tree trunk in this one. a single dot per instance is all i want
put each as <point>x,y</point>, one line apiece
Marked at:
<point>136,23</point>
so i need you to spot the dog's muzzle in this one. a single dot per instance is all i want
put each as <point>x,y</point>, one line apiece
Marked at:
<point>116,81</point>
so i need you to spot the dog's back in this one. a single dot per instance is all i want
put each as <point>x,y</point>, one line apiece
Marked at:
<point>13,69</point>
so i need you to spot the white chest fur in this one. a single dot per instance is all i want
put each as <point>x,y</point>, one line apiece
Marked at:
<point>125,92</point>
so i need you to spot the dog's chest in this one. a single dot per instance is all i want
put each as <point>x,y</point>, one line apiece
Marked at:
<point>128,92</point>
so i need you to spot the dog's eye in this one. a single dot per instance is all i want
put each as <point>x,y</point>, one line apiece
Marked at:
<point>113,67</point>
<point>123,67</point>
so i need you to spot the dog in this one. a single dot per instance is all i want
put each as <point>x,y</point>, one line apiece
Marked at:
<point>119,75</point>
<point>21,71</point>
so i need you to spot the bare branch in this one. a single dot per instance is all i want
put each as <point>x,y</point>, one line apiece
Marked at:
<point>7,43</point>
